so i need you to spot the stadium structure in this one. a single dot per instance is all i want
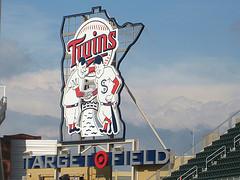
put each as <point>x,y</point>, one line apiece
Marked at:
<point>3,109</point>
<point>218,160</point>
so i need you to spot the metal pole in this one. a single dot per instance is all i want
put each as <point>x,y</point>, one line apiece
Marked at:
<point>4,101</point>
<point>4,94</point>
<point>193,142</point>
<point>4,88</point>
<point>134,172</point>
<point>145,118</point>
<point>57,171</point>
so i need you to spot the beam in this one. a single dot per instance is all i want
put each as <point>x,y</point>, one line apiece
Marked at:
<point>146,118</point>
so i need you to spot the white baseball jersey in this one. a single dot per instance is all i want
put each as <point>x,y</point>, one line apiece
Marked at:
<point>70,97</point>
<point>105,83</point>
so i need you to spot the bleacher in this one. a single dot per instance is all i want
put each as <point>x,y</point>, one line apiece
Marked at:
<point>218,161</point>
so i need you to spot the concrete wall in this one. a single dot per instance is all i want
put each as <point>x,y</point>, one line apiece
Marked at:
<point>32,147</point>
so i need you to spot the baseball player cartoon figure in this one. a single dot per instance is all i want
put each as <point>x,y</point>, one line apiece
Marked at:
<point>108,83</point>
<point>73,93</point>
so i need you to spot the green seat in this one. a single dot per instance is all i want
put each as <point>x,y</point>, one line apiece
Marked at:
<point>228,166</point>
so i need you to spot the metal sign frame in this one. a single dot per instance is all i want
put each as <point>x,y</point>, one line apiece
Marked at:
<point>96,10</point>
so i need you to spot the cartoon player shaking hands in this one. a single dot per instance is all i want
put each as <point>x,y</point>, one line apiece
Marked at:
<point>73,93</point>
<point>108,83</point>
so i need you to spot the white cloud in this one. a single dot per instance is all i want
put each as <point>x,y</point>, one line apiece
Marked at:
<point>203,79</point>
<point>200,78</point>
<point>30,52</point>
<point>36,93</point>
<point>195,70</point>
<point>179,112</point>
<point>216,97</point>
<point>160,94</point>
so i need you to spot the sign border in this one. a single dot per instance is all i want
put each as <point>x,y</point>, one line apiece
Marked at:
<point>99,10</point>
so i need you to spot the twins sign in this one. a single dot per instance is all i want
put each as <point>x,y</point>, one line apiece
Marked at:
<point>92,81</point>
<point>92,51</point>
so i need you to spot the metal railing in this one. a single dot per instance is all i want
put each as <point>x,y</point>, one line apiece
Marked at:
<point>207,139</point>
<point>191,172</point>
<point>235,141</point>
<point>221,151</point>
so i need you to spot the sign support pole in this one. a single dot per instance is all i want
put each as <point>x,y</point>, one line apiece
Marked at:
<point>145,118</point>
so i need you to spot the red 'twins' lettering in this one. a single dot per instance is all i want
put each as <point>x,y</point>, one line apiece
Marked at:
<point>94,46</point>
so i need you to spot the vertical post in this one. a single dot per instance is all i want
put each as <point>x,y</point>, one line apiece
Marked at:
<point>111,146</point>
<point>230,123</point>
<point>57,171</point>
<point>4,100</point>
<point>134,148</point>
<point>116,175</point>
<point>169,169</point>
<point>193,142</point>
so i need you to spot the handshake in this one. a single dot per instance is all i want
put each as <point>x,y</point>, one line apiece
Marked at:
<point>74,83</point>
<point>88,95</point>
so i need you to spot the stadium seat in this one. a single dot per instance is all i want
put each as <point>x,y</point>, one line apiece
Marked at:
<point>221,166</point>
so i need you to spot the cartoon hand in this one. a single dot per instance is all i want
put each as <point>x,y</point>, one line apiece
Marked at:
<point>74,83</point>
<point>109,98</point>
<point>82,73</point>
<point>88,95</point>
<point>115,100</point>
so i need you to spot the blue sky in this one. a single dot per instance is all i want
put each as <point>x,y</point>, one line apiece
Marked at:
<point>189,49</point>
<point>174,30</point>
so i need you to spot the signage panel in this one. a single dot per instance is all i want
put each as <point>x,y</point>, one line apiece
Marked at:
<point>99,159</point>
<point>92,82</point>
